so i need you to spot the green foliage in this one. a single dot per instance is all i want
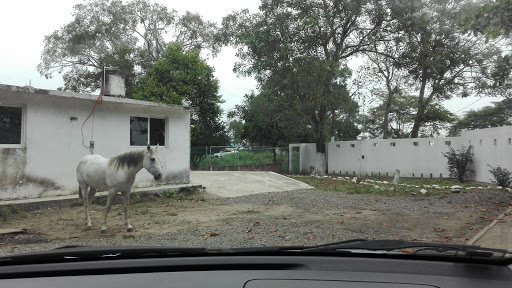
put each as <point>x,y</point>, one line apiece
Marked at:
<point>236,130</point>
<point>174,195</point>
<point>492,18</point>
<point>179,78</point>
<point>458,162</point>
<point>500,114</point>
<point>254,157</point>
<point>7,211</point>
<point>502,176</point>
<point>109,33</point>
<point>402,114</point>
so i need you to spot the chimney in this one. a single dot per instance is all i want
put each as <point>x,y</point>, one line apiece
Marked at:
<point>113,83</point>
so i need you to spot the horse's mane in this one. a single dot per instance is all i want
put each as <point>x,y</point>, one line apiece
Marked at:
<point>129,159</point>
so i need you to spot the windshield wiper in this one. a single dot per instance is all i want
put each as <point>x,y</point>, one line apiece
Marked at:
<point>413,247</point>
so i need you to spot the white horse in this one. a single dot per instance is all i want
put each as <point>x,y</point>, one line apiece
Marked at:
<point>115,174</point>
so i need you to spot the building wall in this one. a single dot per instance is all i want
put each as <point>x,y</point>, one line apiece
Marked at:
<point>491,146</point>
<point>307,153</point>
<point>53,146</point>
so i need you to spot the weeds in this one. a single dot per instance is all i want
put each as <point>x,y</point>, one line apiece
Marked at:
<point>9,210</point>
<point>501,176</point>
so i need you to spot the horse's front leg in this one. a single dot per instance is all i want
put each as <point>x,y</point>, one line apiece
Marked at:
<point>126,201</point>
<point>111,193</point>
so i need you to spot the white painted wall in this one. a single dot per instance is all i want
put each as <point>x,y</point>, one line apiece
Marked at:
<point>53,143</point>
<point>419,160</point>
<point>488,152</point>
<point>307,156</point>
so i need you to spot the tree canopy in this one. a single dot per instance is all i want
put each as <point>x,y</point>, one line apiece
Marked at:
<point>499,114</point>
<point>131,36</point>
<point>182,78</point>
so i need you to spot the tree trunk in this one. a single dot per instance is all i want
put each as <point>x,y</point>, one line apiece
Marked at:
<point>333,123</point>
<point>385,125</point>
<point>320,160</point>
<point>421,108</point>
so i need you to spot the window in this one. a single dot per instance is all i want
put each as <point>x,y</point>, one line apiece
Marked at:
<point>509,141</point>
<point>392,144</point>
<point>352,145</point>
<point>416,143</point>
<point>431,143</point>
<point>375,144</point>
<point>10,125</point>
<point>142,129</point>
<point>448,143</point>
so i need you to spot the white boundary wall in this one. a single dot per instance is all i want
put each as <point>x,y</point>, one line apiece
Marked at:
<point>419,157</point>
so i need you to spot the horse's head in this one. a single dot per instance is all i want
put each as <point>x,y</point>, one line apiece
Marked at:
<point>151,162</point>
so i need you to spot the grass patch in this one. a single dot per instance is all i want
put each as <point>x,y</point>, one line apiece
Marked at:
<point>347,186</point>
<point>126,236</point>
<point>10,210</point>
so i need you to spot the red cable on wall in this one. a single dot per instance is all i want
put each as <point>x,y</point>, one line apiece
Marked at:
<point>98,101</point>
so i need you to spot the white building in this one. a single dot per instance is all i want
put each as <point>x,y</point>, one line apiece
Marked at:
<point>42,138</point>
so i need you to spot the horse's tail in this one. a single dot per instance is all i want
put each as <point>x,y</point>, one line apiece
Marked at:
<point>80,193</point>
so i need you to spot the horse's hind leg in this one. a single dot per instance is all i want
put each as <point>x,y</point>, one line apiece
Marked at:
<point>92,192</point>
<point>126,200</point>
<point>110,196</point>
<point>83,191</point>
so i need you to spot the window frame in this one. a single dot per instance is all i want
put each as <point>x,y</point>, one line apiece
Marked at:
<point>23,126</point>
<point>149,130</point>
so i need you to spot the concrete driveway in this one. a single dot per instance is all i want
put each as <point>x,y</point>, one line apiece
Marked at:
<point>240,183</point>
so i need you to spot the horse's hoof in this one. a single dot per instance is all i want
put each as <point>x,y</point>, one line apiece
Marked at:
<point>89,227</point>
<point>103,231</point>
<point>130,229</point>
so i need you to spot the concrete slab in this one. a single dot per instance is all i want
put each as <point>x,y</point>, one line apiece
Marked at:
<point>240,183</point>
<point>498,234</point>
<point>60,201</point>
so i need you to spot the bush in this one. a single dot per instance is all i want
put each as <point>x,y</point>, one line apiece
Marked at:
<point>458,162</point>
<point>501,176</point>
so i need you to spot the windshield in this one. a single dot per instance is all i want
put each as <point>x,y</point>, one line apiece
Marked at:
<point>254,123</point>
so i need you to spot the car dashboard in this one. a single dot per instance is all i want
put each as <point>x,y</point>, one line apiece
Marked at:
<point>257,272</point>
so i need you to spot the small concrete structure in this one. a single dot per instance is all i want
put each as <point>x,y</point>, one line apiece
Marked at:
<point>46,137</point>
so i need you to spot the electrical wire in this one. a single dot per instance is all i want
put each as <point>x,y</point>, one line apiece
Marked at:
<point>99,101</point>
<point>469,105</point>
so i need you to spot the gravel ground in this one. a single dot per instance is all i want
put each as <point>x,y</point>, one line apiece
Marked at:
<point>310,217</point>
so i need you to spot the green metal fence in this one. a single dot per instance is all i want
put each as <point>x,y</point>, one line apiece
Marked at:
<point>239,158</point>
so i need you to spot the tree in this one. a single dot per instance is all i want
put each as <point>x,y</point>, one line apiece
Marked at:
<point>402,114</point>
<point>129,36</point>
<point>182,78</point>
<point>492,18</point>
<point>236,130</point>
<point>267,123</point>
<point>500,114</point>
<point>442,59</point>
<point>296,49</point>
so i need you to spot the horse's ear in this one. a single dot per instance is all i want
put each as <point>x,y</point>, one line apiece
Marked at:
<point>157,144</point>
<point>149,148</point>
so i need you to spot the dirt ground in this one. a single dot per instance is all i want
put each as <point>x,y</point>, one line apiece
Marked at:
<point>199,218</point>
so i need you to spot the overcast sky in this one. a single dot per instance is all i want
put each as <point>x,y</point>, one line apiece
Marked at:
<point>24,23</point>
